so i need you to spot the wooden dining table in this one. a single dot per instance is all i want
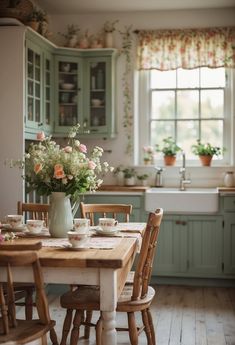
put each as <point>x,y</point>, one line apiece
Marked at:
<point>105,267</point>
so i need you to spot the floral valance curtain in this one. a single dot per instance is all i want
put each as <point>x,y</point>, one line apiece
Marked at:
<point>190,48</point>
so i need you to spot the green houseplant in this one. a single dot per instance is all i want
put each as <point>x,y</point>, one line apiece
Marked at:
<point>143,179</point>
<point>129,176</point>
<point>169,150</point>
<point>206,152</point>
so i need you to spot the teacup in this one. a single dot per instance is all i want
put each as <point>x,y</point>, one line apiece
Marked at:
<point>76,239</point>
<point>81,225</point>
<point>34,225</point>
<point>14,220</point>
<point>107,224</point>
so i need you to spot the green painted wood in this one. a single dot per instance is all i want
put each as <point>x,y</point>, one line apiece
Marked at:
<point>168,256</point>
<point>68,103</point>
<point>229,204</point>
<point>229,244</point>
<point>205,239</point>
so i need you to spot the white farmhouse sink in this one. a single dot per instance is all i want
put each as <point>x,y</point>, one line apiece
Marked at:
<point>192,200</point>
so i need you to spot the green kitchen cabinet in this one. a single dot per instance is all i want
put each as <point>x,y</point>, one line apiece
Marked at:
<point>228,204</point>
<point>68,92</point>
<point>38,86</point>
<point>170,258</point>
<point>85,92</point>
<point>205,251</point>
<point>189,246</point>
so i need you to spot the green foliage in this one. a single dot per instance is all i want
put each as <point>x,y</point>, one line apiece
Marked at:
<point>142,177</point>
<point>129,172</point>
<point>207,149</point>
<point>169,148</point>
<point>37,15</point>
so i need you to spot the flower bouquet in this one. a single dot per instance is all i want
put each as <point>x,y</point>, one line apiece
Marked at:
<point>49,168</point>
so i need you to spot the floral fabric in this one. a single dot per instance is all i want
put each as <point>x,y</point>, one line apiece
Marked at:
<point>190,48</point>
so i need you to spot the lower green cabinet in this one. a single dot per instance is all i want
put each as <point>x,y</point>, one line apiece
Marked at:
<point>228,205</point>
<point>190,246</point>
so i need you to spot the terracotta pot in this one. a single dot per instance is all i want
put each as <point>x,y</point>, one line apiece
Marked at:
<point>169,160</point>
<point>33,24</point>
<point>206,160</point>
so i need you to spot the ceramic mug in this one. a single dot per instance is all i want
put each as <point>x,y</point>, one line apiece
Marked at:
<point>81,225</point>
<point>34,225</point>
<point>107,224</point>
<point>76,239</point>
<point>14,220</point>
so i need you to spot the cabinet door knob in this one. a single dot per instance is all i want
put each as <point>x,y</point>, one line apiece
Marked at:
<point>178,222</point>
<point>40,124</point>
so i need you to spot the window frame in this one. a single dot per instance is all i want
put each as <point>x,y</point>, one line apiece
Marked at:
<point>144,112</point>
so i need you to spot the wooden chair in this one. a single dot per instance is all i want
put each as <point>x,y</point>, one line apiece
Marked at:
<point>136,297</point>
<point>91,211</point>
<point>25,290</point>
<point>34,211</point>
<point>12,330</point>
<point>103,210</point>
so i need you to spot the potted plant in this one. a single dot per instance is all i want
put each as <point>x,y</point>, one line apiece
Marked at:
<point>71,35</point>
<point>129,176</point>
<point>35,18</point>
<point>206,152</point>
<point>148,155</point>
<point>119,174</point>
<point>109,28</point>
<point>169,149</point>
<point>143,179</point>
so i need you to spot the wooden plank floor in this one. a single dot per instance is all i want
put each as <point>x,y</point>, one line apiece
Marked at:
<point>181,315</point>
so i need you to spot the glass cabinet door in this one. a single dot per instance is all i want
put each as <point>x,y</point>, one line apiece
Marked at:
<point>48,80</point>
<point>97,96</point>
<point>33,87</point>
<point>68,96</point>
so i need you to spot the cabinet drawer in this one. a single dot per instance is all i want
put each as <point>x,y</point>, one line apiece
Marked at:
<point>229,203</point>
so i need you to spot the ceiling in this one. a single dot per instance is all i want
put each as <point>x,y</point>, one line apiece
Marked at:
<point>91,6</point>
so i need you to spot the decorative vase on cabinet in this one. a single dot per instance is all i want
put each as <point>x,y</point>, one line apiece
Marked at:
<point>60,215</point>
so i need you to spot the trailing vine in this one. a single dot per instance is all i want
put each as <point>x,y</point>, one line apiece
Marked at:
<point>126,36</point>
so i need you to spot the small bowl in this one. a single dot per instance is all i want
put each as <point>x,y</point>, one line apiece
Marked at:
<point>77,240</point>
<point>96,102</point>
<point>14,220</point>
<point>67,86</point>
<point>34,225</point>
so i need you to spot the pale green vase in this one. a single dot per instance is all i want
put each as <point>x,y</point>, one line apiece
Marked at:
<point>60,215</point>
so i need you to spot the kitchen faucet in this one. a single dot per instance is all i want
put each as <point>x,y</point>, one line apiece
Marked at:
<point>183,180</point>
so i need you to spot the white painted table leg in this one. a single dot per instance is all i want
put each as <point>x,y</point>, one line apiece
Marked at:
<point>108,303</point>
<point>109,333</point>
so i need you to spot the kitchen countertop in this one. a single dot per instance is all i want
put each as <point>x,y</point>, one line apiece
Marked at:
<point>116,188</point>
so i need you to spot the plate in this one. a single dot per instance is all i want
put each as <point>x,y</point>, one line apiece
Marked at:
<point>17,228</point>
<point>100,231</point>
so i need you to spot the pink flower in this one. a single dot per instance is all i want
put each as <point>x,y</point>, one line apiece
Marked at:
<point>91,165</point>
<point>41,136</point>
<point>37,168</point>
<point>82,148</point>
<point>68,149</point>
<point>1,238</point>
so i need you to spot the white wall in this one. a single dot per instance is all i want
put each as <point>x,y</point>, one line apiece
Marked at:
<point>146,20</point>
<point>11,116</point>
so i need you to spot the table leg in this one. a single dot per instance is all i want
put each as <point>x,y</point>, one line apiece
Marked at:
<point>108,303</point>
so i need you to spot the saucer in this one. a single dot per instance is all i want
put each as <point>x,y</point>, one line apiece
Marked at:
<point>100,231</point>
<point>16,228</point>
<point>69,246</point>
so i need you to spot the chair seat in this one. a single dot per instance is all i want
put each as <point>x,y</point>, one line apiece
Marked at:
<point>88,298</point>
<point>25,332</point>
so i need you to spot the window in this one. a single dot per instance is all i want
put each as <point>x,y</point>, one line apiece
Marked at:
<point>187,105</point>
